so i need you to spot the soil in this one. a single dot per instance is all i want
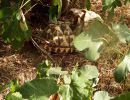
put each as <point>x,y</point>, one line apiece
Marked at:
<point>21,64</point>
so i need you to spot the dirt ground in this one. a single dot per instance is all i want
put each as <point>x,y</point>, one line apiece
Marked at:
<point>22,64</point>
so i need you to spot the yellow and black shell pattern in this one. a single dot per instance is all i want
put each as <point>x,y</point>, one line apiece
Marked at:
<point>56,38</point>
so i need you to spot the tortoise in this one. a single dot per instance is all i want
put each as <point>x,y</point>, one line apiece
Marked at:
<point>55,38</point>
<point>58,37</point>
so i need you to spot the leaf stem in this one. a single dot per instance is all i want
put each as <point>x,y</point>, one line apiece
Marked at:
<point>22,5</point>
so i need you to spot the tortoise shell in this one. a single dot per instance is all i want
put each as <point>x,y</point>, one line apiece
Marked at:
<point>55,38</point>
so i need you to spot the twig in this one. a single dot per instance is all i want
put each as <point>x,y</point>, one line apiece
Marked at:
<point>43,51</point>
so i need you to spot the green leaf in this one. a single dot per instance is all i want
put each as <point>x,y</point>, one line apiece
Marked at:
<point>45,69</point>
<point>80,86</point>
<point>111,14</point>
<point>121,72</point>
<point>81,41</point>
<point>40,89</point>
<point>122,31</point>
<point>89,72</point>
<point>55,10</point>
<point>91,39</point>
<point>19,32</point>
<point>88,4</point>
<point>84,42</point>
<point>107,4</point>
<point>5,13</point>
<point>17,43</point>
<point>67,79</point>
<point>23,26</point>
<point>57,3</point>
<point>13,85</point>
<point>80,78</point>
<point>123,96</point>
<point>127,1</point>
<point>53,14</point>
<point>110,5</point>
<point>93,52</point>
<point>16,96</point>
<point>101,95</point>
<point>66,92</point>
<point>97,29</point>
<point>57,71</point>
<point>1,14</point>
<point>117,3</point>
<point>4,3</point>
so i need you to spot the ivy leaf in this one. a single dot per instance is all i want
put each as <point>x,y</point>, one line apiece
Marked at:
<point>122,31</point>
<point>121,72</point>
<point>39,89</point>
<point>101,95</point>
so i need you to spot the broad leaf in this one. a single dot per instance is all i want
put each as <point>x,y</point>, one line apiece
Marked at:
<point>66,92</point>
<point>88,4</point>
<point>84,42</point>
<point>121,72</point>
<point>93,52</point>
<point>45,69</point>
<point>110,5</point>
<point>107,4</point>
<point>56,71</point>
<point>39,89</point>
<point>14,96</point>
<point>89,72</point>
<point>127,1</point>
<point>97,29</point>
<point>91,39</point>
<point>14,27</point>
<point>122,31</point>
<point>101,95</point>
<point>80,87</point>
<point>124,96</point>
